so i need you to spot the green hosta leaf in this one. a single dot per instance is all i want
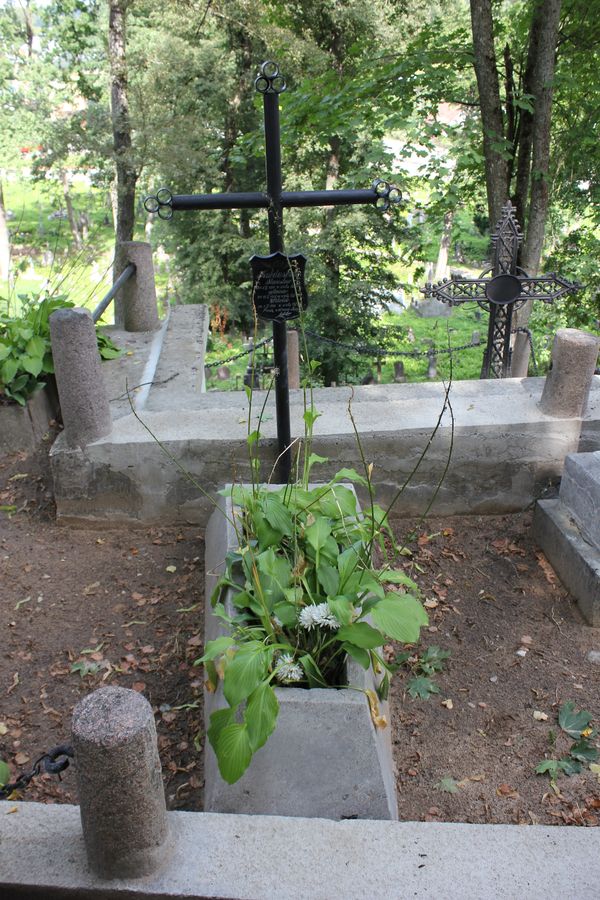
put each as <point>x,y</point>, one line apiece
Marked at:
<point>397,576</point>
<point>266,535</point>
<point>275,575</point>
<point>245,671</point>
<point>277,514</point>
<point>338,501</point>
<point>400,616</point>
<point>5,351</point>
<point>347,563</point>
<point>214,648</point>
<point>422,687</point>
<point>287,613</point>
<point>317,533</point>
<point>349,475</point>
<point>36,346</point>
<point>233,752</point>
<point>8,370</point>
<point>4,773</point>
<point>584,751</point>
<point>219,719</point>
<point>359,654</point>
<point>261,715</point>
<point>342,609</point>
<point>329,579</point>
<point>361,635</point>
<point>313,459</point>
<point>573,722</point>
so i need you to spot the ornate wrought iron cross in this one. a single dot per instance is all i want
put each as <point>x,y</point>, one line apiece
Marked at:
<point>270,83</point>
<point>502,292</point>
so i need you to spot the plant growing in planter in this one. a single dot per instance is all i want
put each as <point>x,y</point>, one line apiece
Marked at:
<point>300,604</point>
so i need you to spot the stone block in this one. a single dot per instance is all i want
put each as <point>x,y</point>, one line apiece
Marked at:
<point>580,492</point>
<point>23,427</point>
<point>135,305</point>
<point>567,387</point>
<point>325,758</point>
<point>576,561</point>
<point>119,782</point>
<point>83,399</point>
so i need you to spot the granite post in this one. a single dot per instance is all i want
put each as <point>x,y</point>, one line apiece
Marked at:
<point>293,360</point>
<point>574,357</point>
<point>135,304</point>
<point>121,795</point>
<point>83,399</point>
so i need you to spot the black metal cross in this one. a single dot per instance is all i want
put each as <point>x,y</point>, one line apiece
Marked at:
<point>270,83</point>
<point>508,289</point>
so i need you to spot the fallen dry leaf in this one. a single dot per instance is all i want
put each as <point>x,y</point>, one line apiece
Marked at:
<point>448,704</point>
<point>21,758</point>
<point>139,686</point>
<point>505,790</point>
<point>539,716</point>
<point>546,568</point>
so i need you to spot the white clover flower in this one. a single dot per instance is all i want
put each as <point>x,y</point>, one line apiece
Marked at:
<point>318,614</point>
<point>288,670</point>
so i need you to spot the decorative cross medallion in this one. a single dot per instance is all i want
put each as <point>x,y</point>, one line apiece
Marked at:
<point>508,289</point>
<point>272,286</point>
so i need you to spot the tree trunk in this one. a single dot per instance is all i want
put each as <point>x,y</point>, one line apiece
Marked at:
<point>126,175</point>
<point>73,224</point>
<point>4,247</point>
<point>546,21</point>
<point>486,72</point>
<point>441,266</point>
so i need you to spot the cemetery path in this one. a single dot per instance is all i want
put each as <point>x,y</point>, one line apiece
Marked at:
<point>83,607</point>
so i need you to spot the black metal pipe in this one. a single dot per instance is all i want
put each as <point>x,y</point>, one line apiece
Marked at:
<point>327,198</point>
<point>248,200</point>
<point>125,275</point>
<point>276,245</point>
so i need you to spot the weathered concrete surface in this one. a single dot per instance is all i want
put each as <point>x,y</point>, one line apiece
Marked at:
<point>574,358</point>
<point>178,379</point>
<point>325,758</point>
<point>576,561</point>
<point>135,304</point>
<point>119,782</point>
<point>272,858</point>
<point>24,427</point>
<point>83,399</point>
<point>505,454</point>
<point>580,492</point>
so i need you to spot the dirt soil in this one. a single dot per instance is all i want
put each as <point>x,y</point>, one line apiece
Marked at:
<point>86,607</point>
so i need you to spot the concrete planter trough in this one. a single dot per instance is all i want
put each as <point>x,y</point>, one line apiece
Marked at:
<point>325,758</point>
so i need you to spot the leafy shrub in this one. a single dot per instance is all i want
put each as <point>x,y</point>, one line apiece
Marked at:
<point>25,350</point>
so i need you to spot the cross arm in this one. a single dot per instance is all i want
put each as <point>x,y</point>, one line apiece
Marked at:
<point>457,290</point>
<point>547,287</point>
<point>381,194</point>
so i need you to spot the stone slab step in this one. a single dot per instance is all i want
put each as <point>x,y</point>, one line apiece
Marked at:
<point>275,858</point>
<point>178,381</point>
<point>580,492</point>
<point>576,561</point>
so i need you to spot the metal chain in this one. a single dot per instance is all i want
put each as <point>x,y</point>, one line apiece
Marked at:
<point>51,763</point>
<point>526,331</point>
<point>222,362</point>
<point>380,351</point>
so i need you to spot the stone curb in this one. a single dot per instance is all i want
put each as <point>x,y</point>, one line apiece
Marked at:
<point>272,858</point>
